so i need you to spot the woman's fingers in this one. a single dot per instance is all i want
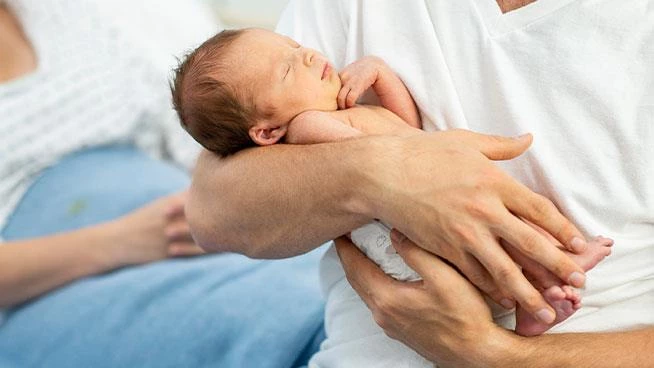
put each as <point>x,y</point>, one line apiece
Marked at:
<point>175,205</point>
<point>178,231</point>
<point>184,249</point>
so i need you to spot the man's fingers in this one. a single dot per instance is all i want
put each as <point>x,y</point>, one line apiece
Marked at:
<point>538,275</point>
<point>495,147</point>
<point>535,246</point>
<point>542,212</point>
<point>506,273</point>
<point>423,263</point>
<point>434,270</point>
<point>417,258</point>
<point>479,276</point>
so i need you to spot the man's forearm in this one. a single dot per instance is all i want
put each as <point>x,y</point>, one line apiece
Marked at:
<point>277,201</point>
<point>617,349</point>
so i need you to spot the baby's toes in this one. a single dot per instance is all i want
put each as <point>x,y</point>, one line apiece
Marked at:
<point>572,295</point>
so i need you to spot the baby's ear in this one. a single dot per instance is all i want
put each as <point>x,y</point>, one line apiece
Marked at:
<point>265,133</point>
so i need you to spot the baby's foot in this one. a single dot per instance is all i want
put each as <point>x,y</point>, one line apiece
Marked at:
<point>598,248</point>
<point>564,299</point>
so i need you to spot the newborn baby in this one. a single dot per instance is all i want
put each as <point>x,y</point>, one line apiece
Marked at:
<point>254,87</point>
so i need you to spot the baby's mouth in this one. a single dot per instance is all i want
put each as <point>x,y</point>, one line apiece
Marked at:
<point>326,71</point>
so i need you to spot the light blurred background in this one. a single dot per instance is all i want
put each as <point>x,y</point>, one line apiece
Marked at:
<point>248,13</point>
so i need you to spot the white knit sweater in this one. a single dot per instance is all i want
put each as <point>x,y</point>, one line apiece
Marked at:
<point>101,79</point>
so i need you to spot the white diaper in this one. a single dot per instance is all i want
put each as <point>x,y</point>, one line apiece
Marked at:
<point>374,239</point>
<point>354,340</point>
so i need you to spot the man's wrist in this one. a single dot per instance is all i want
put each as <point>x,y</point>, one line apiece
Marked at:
<point>368,173</point>
<point>503,348</point>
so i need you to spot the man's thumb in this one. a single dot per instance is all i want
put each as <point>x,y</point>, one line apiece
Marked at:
<point>497,147</point>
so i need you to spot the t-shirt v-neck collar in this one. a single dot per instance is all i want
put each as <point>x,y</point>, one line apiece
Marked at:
<point>498,23</point>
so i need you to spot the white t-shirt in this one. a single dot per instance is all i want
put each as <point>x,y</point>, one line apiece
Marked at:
<point>579,75</point>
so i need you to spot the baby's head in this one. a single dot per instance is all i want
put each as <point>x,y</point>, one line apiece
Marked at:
<point>242,88</point>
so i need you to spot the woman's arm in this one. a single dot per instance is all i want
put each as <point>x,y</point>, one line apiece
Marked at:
<point>29,268</point>
<point>445,319</point>
<point>441,189</point>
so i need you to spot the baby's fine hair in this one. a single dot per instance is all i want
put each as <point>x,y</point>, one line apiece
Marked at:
<point>210,110</point>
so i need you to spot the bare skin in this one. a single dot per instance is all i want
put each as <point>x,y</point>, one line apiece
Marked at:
<point>564,299</point>
<point>509,5</point>
<point>17,57</point>
<point>441,189</point>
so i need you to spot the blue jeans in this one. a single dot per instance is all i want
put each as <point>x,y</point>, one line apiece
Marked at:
<point>210,311</point>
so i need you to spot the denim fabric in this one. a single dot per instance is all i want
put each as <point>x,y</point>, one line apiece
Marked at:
<point>211,311</point>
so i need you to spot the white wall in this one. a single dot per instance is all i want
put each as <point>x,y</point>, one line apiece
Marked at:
<point>247,13</point>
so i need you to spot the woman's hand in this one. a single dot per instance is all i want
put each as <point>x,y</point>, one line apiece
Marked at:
<point>155,231</point>
<point>31,267</point>
<point>442,317</point>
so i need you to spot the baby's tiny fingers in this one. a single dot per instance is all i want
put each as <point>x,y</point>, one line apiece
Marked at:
<point>342,95</point>
<point>352,98</point>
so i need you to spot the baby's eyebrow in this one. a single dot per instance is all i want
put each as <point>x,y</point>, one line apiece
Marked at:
<point>292,42</point>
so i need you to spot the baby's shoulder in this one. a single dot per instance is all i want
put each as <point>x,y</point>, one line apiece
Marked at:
<point>368,112</point>
<point>372,119</point>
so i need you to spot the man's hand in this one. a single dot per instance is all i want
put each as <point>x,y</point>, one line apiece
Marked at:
<point>442,317</point>
<point>440,189</point>
<point>443,191</point>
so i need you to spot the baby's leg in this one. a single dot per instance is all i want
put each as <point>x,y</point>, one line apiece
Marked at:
<point>564,299</point>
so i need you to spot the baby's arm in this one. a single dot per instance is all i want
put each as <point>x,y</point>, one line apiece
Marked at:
<point>371,71</point>
<point>319,127</point>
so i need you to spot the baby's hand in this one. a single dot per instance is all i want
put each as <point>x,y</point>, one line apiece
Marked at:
<point>357,77</point>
